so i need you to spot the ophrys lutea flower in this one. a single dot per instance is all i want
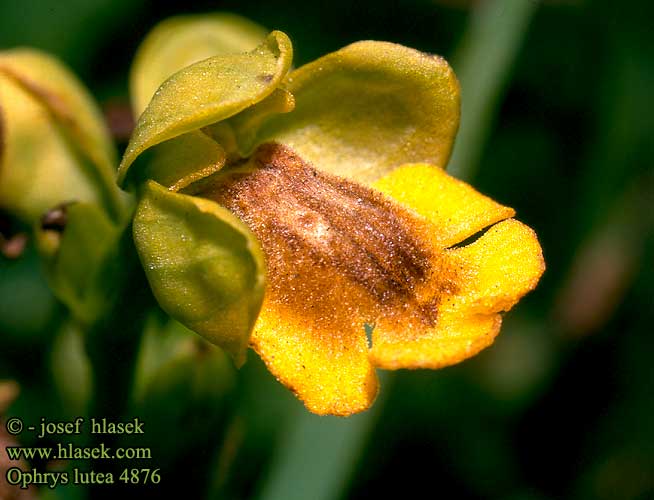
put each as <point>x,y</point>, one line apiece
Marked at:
<point>288,210</point>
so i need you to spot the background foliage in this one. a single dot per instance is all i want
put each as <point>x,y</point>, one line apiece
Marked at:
<point>557,123</point>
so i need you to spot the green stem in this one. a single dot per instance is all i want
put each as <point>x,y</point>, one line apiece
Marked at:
<point>113,340</point>
<point>320,454</point>
<point>483,63</point>
<point>112,346</point>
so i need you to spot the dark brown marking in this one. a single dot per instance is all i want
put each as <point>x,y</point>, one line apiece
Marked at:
<point>332,243</point>
<point>266,77</point>
<point>56,218</point>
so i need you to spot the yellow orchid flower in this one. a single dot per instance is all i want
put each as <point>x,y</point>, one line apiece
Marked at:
<point>288,210</point>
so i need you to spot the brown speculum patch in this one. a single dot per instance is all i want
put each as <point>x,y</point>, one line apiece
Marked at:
<point>335,250</point>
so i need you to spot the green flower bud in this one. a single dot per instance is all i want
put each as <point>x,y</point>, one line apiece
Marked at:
<point>54,147</point>
<point>57,174</point>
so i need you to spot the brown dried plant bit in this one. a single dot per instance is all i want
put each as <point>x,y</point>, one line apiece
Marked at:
<point>56,218</point>
<point>14,246</point>
<point>9,390</point>
<point>52,223</point>
<point>12,243</point>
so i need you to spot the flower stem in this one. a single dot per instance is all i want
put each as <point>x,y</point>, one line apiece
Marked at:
<point>320,454</point>
<point>113,340</point>
<point>112,346</point>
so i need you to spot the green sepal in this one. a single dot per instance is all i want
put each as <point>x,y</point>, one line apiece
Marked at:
<point>246,124</point>
<point>180,41</point>
<point>181,161</point>
<point>208,92</point>
<point>238,133</point>
<point>365,109</point>
<point>204,266</point>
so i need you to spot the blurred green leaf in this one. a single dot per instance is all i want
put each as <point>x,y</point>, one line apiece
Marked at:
<point>483,62</point>
<point>83,266</point>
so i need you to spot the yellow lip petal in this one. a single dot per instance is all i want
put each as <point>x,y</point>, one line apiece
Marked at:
<point>492,274</point>
<point>325,365</point>
<point>499,268</point>
<point>455,208</point>
<point>455,338</point>
<point>338,254</point>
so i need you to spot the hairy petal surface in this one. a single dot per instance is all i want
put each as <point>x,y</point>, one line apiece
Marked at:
<point>494,272</point>
<point>456,209</point>
<point>338,255</point>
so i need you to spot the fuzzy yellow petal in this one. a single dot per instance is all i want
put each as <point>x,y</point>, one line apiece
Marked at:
<point>499,268</point>
<point>492,274</point>
<point>455,208</point>
<point>327,368</point>
<point>454,338</point>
